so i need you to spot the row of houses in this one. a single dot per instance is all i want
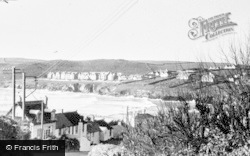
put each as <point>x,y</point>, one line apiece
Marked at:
<point>51,124</point>
<point>94,76</point>
<point>103,76</point>
<point>231,75</point>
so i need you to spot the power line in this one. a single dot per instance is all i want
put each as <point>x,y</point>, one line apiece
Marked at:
<point>122,10</point>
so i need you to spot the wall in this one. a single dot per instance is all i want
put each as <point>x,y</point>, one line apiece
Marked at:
<point>34,129</point>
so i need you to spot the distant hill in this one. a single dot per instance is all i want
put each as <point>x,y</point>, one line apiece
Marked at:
<point>17,60</point>
<point>36,67</point>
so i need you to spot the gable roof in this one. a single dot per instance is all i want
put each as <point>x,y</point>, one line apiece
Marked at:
<point>73,117</point>
<point>62,121</point>
<point>68,119</point>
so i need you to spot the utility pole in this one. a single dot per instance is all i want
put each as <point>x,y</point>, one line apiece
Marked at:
<point>42,112</point>
<point>24,94</point>
<point>15,71</point>
<point>14,91</point>
<point>127,115</point>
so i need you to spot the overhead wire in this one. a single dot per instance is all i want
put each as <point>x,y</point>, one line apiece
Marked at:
<point>107,23</point>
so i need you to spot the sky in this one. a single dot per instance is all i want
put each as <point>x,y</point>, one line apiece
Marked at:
<point>115,29</point>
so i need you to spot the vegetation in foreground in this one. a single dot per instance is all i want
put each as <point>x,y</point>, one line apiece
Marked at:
<point>220,124</point>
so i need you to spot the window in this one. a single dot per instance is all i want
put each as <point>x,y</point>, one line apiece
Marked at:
<point>76,130</point>
<point>60,131</point>
<point>47,133</point>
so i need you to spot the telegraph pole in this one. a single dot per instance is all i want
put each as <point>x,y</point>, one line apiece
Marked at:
<point>24,94</point>
<point>42,109</point>
<point>15,71</point>
<point>14,91</point>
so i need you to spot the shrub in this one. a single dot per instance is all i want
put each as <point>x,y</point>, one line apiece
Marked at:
<point>10,130</point>
<point>71,144</point>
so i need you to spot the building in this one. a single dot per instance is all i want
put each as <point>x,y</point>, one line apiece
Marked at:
<point>163,73</point>
<point>93,132</point>
<point>207,77</point>
<point>184,75</point>
<point>106,130</point>
<point>40,123</point>
<point>118,130</point>
<point>67,123</point>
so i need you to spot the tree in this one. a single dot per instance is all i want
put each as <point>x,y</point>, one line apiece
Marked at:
<point>10,130</point>
<point>220,124</point>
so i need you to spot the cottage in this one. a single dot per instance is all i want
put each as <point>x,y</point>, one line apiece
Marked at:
<point>208,77</point>
<point>106,130</point>
<point>50,75</point>
<point>33,115</point>
<point>57,75</point>
<point>184,75</point>
<point>93,132</point>
<point>83,76</point>
<point>229,67</point>
<point>92,76</point>
<point>118,130</point>
<point>163,73</point>
<point>67,123</point>
<point>104,76</point>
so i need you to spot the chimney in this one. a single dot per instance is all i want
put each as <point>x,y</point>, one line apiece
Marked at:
<point>38,117</point>
<point>93,118</point>
<point>53,115</point>
<point>80,128</point>
<point>85,130</point>
<point>119,123</point>
<point>46,101</point>
<point>62,110</point>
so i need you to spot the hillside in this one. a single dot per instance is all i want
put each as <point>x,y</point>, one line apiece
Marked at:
<point>36,67</point>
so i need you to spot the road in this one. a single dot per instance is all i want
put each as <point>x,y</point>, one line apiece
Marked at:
<point>76,153</point>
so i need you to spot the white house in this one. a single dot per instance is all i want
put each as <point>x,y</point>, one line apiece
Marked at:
<point>33,116</point>
<point>67,123</point>
<point>163,73</point>
<point>184,74</point>
<point>208,77</point>
<point>229,67</point>
<point>106,130</point>
<point>51,75</point>
<point>93,132</point>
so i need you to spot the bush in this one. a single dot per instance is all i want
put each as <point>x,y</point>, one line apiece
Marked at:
<point>106,150</point>
<point>10,130</point>
<point>71,144</point>
<point>218,126</point>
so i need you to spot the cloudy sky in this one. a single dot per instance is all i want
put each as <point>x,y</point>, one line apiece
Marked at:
<point>114,29</point>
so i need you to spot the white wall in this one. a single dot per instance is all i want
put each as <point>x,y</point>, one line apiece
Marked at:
<point>34,129</point>
<point>105,135</point>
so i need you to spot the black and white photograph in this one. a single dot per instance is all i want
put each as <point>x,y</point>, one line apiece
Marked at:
<point>125,77</point>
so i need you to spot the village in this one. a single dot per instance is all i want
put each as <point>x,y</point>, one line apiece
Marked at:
<point>45,123</point>
<point>103,76</point>
<point>209,75</point>
<point>42,122</point>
